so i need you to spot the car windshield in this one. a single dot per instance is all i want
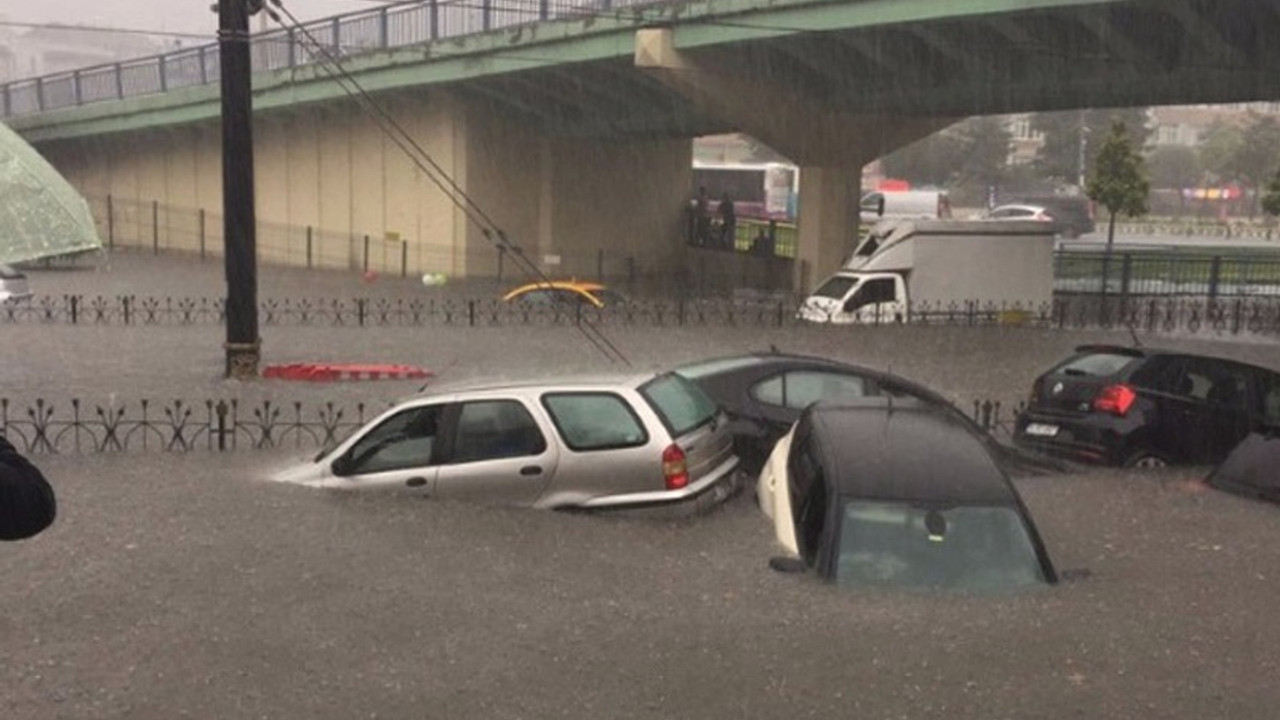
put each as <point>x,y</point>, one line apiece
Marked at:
<point>835,288</point>
<point>963,548</point>
<point>680,404</point>
<point>1095,364</point>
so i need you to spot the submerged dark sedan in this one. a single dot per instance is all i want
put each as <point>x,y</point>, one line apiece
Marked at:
<point>765,393</point>
<point>1146,407</point>
<point>895,493</point>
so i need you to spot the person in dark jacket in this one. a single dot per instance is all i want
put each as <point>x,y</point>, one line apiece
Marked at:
<point>27,503</point>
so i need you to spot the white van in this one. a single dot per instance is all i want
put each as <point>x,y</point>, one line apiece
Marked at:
<point>905,205</point>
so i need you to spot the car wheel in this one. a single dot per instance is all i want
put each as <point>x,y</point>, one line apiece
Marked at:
<point>1146,460</point>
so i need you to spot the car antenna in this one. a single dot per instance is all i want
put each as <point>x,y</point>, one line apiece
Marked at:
<point>1134,334</point>
<point>436,376</point>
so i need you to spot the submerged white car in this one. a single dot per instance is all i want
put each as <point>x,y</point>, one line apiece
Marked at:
<point>605,443</point>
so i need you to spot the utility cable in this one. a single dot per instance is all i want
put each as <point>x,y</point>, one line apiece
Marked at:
<point>439,177</point>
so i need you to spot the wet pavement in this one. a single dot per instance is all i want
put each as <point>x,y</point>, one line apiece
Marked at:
<point>187,586</point>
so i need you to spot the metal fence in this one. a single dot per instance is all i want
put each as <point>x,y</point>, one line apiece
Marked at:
<point>397,25</point>
<point>222,425</point>
<point>1179,273</point>
<point>1234,316</point>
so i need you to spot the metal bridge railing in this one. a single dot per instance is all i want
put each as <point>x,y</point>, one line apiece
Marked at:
<point>390,26</point>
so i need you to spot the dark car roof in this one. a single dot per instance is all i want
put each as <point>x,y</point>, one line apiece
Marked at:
<point>885,449</point>
<point>1148,352</point>
<point>768,358</point>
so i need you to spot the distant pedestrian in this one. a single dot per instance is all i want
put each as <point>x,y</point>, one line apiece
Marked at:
<point>27,504</point>
<point>701,218</point>
<point>728,221</point>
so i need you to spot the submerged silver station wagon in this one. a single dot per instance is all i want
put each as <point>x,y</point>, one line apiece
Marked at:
<point>613,443</point>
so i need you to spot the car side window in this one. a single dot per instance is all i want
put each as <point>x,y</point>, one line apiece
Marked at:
<point>403,441</point>
<point>800,388</point>
<point>1229,387</point>
<point>494,429</point>
<point>594,421</point>
<point>805,387</point>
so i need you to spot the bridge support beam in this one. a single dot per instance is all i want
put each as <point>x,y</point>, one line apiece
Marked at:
<point>829,146</point>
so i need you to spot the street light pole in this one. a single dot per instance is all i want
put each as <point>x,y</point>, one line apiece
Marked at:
<point>243,347</point>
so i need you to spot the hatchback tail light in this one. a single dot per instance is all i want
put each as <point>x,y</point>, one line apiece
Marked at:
<point>674,469</point>
<point>1115,399</point>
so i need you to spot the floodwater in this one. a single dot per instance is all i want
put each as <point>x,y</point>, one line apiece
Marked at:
<point>186,586</point>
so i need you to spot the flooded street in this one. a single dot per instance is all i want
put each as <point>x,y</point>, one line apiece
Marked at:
<point>184,585</point>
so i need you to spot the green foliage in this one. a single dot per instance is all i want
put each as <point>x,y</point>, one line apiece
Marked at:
<point>1271,200</point>
<point>1175,166</point>
<point>1219,150</point>
<point>1059,158</point>
<point>1118,181</point>
<point>973,151</point>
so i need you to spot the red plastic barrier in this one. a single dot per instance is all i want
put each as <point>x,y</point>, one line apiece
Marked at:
<point>330,372</point>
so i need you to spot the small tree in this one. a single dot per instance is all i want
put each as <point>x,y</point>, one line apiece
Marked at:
<point>1118,181</point>
<point>1271,200</point>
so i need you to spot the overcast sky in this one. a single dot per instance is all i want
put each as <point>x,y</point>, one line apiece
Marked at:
<point>192,16</point>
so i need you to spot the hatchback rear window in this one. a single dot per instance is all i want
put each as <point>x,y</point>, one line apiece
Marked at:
<point>594,421</point>
<point>680,404</point>
<point>1098,364</point>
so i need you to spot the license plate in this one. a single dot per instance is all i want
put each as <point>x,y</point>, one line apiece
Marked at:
<point>1041,430</point>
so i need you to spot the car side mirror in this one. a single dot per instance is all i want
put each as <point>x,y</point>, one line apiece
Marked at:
<point>787,565</point>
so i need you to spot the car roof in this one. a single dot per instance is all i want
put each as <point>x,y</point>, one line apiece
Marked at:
<point>902,450</point>
<point>778,358</point>
<point>562,382</point>
<point>1149,352</point>
<point>572,285</point>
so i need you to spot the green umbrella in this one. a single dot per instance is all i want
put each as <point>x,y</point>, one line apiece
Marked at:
<point>41,215</point>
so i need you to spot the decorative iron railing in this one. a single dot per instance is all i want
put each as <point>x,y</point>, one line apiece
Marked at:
<point>74,426</point>
<point>1148,314</point>
<point>179,426</point>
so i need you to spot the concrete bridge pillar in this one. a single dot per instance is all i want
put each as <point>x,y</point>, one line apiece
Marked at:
<point>828,224</point>
<point>830,145</point>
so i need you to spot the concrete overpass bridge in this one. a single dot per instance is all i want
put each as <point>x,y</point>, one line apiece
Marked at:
<point>571,123</point>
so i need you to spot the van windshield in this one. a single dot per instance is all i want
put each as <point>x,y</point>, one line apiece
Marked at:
<point>836,288</point>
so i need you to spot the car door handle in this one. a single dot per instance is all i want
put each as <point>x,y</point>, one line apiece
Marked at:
<point>416,481</point>
<point>530,470</point>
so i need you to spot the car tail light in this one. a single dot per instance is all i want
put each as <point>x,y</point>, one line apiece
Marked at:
<point>1115,399</point>
<point>674,469</point>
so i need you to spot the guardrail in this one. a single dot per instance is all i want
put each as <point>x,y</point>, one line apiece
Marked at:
<point>398,25</point>
<point>49,427</point>
<point>1236,316</point>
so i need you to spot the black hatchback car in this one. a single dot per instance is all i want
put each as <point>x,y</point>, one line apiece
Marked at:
<point>1145,407</point>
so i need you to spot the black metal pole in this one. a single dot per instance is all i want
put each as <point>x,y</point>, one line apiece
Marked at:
<point>243,347</point>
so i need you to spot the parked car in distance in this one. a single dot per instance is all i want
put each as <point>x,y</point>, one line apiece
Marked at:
<point>565,294</point>
<point>904,204</point>
<point>902,497</point>
<point>1020,212</point>
<point>13,285</point>
<point>1146,407</point>
<point>764,393</point>
<point>1073,214</point>
<point>591,443</point>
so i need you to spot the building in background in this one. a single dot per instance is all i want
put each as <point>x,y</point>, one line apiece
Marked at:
<point>55,49</point>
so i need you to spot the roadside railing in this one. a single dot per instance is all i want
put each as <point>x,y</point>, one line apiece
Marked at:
<point>395,25</point>
<point>73,426</point>
<point>1184,273</point>
<point>1233,316</point>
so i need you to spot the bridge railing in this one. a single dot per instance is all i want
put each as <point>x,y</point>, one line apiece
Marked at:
<point>400,25</point>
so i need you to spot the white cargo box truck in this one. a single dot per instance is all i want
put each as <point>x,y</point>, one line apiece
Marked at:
<point>908,267</point>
